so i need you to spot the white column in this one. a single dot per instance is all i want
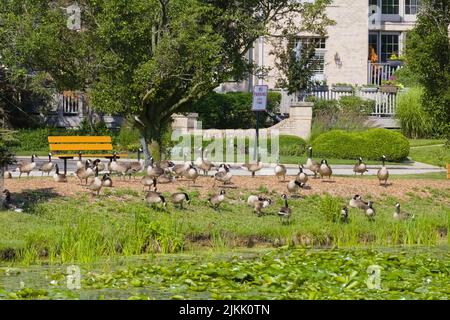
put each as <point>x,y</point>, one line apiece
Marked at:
<point>261,57</point>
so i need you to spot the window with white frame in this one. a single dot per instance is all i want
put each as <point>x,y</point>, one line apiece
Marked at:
<point>389,46</point>
<point>411,6</point>
<point>320,46</point>
<point>390,7</point>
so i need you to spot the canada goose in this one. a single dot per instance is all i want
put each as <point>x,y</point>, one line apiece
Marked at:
<point>149,182</point>
<point>344,215</point>
<point>7,202</point>
<point>311,164</point>
<point>401,215</point>
<point>165,164</point>
<point>294,186</point>
<point>370,211</point>
<point>325,170</point>
<point>99,164</point>
<point>223,176</point>
<point>59,177</point>
<point>383,173</point>
<point>302,177</point>
<point>358,203</point>
<point>179,198</point>
<point>204,164</point>
<point>217,199</point>
<point>85,173</point>
<point>154,170</point>
<point>7,174</point>
<point>192,173</point>
<point>48,166</point>
<point>121,168</point>
<point>166,177</point>
<point>259,203</point>
<point>253,167</point>
<point>154,198</point>
<point>107,181</point>
<point>137,166</point>
<point>26,167</point>
<point>360,167</point>
<point>80,164</point>
<point>280,170</point>
<point>180,169</point>
<point>97,184</point>
<point>285,212</point>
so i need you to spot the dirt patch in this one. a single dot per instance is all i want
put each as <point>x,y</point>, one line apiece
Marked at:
<point>343,187</point>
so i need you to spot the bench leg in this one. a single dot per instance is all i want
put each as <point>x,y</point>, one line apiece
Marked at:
<point>65,166</point>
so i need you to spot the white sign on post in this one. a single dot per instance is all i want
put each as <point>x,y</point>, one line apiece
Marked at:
<point>260,98</point>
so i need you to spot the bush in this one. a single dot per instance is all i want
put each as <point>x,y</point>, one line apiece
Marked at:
<point>414,121</point>
<point>292,146</point>
<point>371,145</point>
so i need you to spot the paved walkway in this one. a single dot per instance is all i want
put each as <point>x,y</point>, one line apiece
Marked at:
<point>414,168</point>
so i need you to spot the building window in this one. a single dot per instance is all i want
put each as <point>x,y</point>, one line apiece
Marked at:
<point>389,46</point>
<point>411,6</point>
<point>320,46</point>
<point>390,7</point>
<point>373,48</point>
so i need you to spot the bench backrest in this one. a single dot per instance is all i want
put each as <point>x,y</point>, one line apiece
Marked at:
<point>80,143</point>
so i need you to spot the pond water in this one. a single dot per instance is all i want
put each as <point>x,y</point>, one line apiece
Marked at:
<point>285,273</point>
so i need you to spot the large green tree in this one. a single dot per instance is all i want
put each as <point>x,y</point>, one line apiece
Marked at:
<point>148,58</point>
<point>428,56</point>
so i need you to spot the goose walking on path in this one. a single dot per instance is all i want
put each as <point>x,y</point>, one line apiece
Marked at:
<point>325,170</point>
<point>280,171</point>
<point>285,212</point>
<point>383,173</point>
<point>26,166</point>
<point>59,177</point>
<point>311,164</point>
<point>360,167</point>
<point>48,166</point>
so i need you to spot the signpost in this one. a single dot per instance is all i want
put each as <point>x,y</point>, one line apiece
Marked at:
<point>260,93</point>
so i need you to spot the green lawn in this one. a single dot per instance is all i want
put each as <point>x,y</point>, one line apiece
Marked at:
<point>119,223</point>
<point>435,155</point>
<point>425,142</point>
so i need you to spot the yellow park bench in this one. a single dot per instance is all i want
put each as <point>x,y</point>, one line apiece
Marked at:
<point>69,147</point>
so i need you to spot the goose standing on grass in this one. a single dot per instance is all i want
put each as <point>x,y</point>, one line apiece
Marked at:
<point>325,170</point>
<point>180,169</point>
<point>223,176</point>
<point>7,174</point>
<point>97,184</point>
<point>48,166</point>
<point>311,164</point>
<point>294,186</point>
<point>402,215</point>
<point>258,203</point>
<point>85,173</point>
<point>59,177</point>
<point>280,170</point>
<point>357,202</point>
<point>166,178</point>
<point>370,211</point>
<point>302,177</point>
<point>26,166</point>
<point>383,173</point>
<point>179,198</point>
<point>80,164</point>
<point>285,212</point>
<point>191,174</point>
<point>344,218</point>
<point>154,170</point>
<point>107,181</point>
<point>154,198</point>
<point>217,199</point>
<point>360,167</point>
<point>253,167</point>
<point>7,202</point>
<point>121,168</point>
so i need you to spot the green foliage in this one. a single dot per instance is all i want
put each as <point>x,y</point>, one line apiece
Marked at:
<point>330,208</point>
<point>292,146</point>
<point>427,51</point>
<point>371,145</point>
<point>232,110</point>
<point>128,137</point>
<point>7,140</point>
<point>414,120</point>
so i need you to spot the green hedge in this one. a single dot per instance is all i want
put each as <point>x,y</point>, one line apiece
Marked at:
<point>371,145</point>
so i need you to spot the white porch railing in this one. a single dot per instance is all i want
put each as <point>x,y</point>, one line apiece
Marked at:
<point>72,103</point>
<point>379,72</point>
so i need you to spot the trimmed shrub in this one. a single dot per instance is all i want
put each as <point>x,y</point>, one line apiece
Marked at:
<point>371,145</point>
<point>415,122</point>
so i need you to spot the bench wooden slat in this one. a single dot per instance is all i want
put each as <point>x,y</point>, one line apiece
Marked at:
<point>87,155</point>
<point>82,147</point>
<point>80,139</point>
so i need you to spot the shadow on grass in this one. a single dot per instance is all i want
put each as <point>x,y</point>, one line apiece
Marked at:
<point>29,199</point>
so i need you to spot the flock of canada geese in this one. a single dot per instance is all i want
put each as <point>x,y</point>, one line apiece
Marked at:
<point>166,172</point>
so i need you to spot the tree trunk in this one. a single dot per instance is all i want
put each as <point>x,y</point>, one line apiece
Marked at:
<point>144,145</point>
